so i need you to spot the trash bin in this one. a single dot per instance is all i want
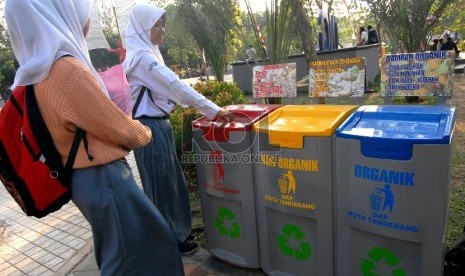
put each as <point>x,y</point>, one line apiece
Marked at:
<point>392,178</point>
<point>224,175</point>
<point>294,188</point>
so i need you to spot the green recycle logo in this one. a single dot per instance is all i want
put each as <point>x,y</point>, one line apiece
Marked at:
<point>377,254</point>
<point>234,231</point>
<point>303,252</point>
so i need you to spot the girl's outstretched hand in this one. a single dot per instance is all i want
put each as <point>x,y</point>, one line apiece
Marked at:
<point>225,115</point>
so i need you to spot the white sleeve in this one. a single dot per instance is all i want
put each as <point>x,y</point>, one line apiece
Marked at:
<point>166,84</point>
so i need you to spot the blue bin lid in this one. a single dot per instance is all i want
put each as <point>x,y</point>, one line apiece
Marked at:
<point>390,131</point>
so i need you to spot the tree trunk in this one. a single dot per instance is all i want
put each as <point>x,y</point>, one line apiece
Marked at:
<point>306,35</point>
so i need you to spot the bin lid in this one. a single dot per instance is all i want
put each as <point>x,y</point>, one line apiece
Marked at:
<point>287,126</point>
<point>245,115</point>
<point>390,131</point>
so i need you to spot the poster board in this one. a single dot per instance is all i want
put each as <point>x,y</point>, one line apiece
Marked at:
<point>275,80</point>
<point>417,74</point>
<point>337,77</point>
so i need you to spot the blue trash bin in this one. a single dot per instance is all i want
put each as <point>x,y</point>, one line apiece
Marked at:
<point>392,166</point>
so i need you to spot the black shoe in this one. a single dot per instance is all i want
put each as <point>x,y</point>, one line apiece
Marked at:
<point>188,247</point>
<point>190,238</point>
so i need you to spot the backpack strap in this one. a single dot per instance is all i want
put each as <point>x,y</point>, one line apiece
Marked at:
<point>39,124</point>
<point>144,90</point>
<point>80,135</point>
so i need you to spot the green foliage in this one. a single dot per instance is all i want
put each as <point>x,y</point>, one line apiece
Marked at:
<point>405,20</point>
<point>180,43</point>
<point>453,19</point>
<point>209,22</point>
<point>375,84</point>
<point>222,94</point>
<point>280,20</point>
<point>8,68</point>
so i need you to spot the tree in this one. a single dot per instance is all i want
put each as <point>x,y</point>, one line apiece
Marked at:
<point>405,20</point>
<point>210,23</point>
<point>452,19</point>
<point>305,31</point>
<point>180,43</point>
<point>8,66</point>
<point>4,38</point>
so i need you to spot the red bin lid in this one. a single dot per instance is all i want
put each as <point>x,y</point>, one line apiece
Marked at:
<point>244,116</point>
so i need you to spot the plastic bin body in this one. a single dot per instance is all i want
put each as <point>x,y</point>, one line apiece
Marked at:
<point>294,189</point>
<point>225,179</point>
<point>392,177</point>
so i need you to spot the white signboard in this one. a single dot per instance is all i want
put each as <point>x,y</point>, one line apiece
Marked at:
<point>337,77</point>
<point>275,80</point>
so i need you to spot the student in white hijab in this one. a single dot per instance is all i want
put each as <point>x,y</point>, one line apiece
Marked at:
<point>48,39</point>
<point>155,90</point>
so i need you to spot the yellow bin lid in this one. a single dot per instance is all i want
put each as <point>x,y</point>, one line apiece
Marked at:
<point>287,126</point>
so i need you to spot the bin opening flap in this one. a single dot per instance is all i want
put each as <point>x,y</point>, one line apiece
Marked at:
<point>389,132</point>
<point>244,116</point>
<point>288,125</point>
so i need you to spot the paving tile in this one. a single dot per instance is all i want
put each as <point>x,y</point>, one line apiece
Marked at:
<point>81,232</point>
<point>33,252</point>
<point>19,242</point>
<point>40,270</point>
<point>27,265</point>
<point>70,239</point>
<point>6,250</point>
<point>73,242</point>
<point>61,236</point>
<point>3,265</point>
<point>17,273</point>
<point>43,242</point>
<point>48,273</point>
<point>44,257</point>
<point>31,235</point>
<point>54,262</point>
<point>9,270</point>
<point>58,248</point>
<point>67,254</point>
<point>16,259</point>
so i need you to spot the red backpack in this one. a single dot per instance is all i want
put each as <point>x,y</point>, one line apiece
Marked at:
<point>30,166</point>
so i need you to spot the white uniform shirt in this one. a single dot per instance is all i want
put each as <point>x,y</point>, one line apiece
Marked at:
<point>364,36</point>
<point>166,88</point>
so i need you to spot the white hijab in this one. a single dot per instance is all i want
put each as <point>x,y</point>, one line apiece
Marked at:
<point>137,37</point>
<point>42,31</point>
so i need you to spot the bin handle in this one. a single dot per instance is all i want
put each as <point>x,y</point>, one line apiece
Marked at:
<point>224,119</point>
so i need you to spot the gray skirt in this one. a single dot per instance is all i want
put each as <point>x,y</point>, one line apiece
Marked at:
<point>163,179</point>
<point>130,236</point>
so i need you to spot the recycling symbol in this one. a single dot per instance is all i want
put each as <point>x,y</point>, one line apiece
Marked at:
<point>379,255</point>
<point>303,252</point>
<point>225,215</point>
